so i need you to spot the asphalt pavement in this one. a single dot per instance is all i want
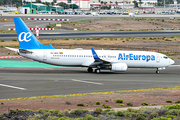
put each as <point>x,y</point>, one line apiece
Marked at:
<point>26,82</point>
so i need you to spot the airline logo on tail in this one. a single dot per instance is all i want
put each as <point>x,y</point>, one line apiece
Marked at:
<point>23,36</point>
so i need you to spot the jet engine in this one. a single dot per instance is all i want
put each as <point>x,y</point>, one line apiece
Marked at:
<point>119,66</point>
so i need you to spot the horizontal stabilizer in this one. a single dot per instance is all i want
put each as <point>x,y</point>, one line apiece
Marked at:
<point>13,49</point>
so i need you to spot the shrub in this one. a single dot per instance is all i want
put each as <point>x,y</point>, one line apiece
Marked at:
<point>64,118</point>
<point>89,117</point>
<point>80,104</point>
<point>28,110</point>
<point>65,39</point>
<point>177,101</point>
<point>128,114</point>
<point>1,115</point>
<point>57,111</point>
<point>40,111</point>
<point>121,104</point>
<point>133,115</point>
<point>98,111</point>
<point>111,112</point>
<point>150,38</point>
<point>106,106</point>
<point>154,114</point>
<point>60,113</point>
<point>169,101</point>
<point>173,112</point>
<point>78,112</point>
<point>37,116</point>
<point>129,104</point>
<point>173,107</point>
<point>46,114</point>
<point>14,110</point>
<point>14,40</point>
<point>168,40</point>
<point>52,111</point>
<point>120,113</point>
<point>130,110</point>
<point>68,103</point>
<point>87,38</point>
<point>2,103</point>
<point>119,101</point>
<point>52,118</point>
<point>144,104</point>
<point>153,104</point>
<point>2,40</point>
<point>141,116</point>
<point>97,103</point>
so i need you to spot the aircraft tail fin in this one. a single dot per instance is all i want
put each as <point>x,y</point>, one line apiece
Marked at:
<point>26,38</point>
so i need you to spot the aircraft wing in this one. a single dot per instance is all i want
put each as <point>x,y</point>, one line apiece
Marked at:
<point>97,60</point>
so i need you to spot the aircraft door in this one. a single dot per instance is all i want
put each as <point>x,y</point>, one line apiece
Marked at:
<point>157,58</point>
<point>45,56</point>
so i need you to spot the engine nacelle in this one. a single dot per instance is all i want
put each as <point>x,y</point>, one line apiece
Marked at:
<point>119,66</point>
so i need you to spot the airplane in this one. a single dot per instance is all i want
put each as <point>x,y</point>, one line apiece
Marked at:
<point>114,60</point>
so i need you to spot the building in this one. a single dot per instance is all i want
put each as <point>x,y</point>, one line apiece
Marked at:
<point>83,4</point>
<point>122,3</point>
<point>37,7</point>
<point>36,0</point>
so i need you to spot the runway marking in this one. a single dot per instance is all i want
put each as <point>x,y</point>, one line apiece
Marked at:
<point>174,66</point>
<point>12,87</point>
<point>87,82</point>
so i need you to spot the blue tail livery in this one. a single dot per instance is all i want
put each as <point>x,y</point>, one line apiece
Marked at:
<point>26,38</point>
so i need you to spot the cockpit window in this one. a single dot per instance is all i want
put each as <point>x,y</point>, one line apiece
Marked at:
<point>165,57</point>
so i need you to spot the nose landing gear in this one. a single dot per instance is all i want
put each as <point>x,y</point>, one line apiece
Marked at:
<point>157,71</point>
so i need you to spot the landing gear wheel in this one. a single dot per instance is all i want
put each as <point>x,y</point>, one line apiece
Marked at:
<point>157,72</point>
<point>90,70</point>
<point>97,71</point>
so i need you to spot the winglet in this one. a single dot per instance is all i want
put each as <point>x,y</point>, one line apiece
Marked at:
<point>50,45</point>
<point>94,54</point>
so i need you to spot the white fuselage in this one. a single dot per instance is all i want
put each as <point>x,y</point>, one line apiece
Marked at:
<point>79,57</point>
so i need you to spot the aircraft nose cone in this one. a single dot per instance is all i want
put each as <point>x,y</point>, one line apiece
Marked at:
<point>171,62</point>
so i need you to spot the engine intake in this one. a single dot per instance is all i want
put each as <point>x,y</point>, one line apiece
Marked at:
<point>119,66</point>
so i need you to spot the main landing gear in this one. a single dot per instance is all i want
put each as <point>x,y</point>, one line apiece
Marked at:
<point>90,70</point>
<point>157,71</point>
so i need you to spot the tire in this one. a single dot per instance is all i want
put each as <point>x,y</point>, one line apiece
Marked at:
<point>157,72</point>
<point>97,71</point>
<point>90,70</point>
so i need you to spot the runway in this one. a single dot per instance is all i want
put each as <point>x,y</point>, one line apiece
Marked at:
<point>82,34</point>
<point>27,82</point>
